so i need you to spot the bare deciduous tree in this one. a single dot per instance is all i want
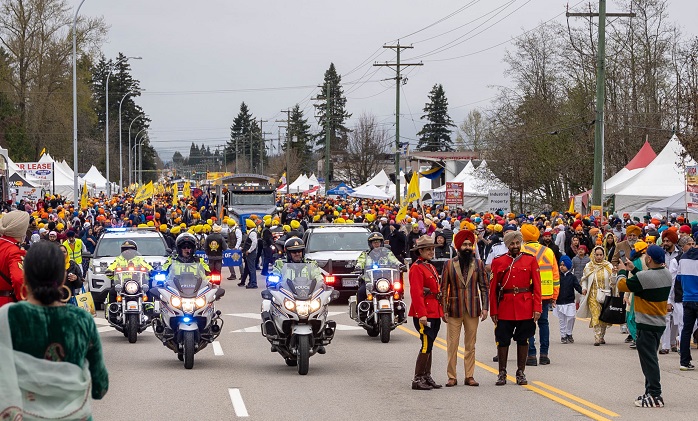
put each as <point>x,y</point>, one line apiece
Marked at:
<point>366,151</point>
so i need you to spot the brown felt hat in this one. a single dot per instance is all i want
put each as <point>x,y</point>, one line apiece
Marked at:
<point>423,242</point>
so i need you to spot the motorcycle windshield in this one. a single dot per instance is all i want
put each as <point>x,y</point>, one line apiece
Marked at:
<point>299,278</point>
<point>381,264</point>
<point>187,278</point>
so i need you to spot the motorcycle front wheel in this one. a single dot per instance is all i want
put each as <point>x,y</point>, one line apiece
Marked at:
<point>385,328</point>
<point>188,350</point>
<point>132,328</point>
<point>303,354</point>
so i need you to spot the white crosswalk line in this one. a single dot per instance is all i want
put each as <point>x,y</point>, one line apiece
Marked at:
<point>217,348</point>
<point>238,403</point>
<point>105,329</point>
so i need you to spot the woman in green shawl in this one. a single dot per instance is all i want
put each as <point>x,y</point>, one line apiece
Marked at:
<point>49,351</point>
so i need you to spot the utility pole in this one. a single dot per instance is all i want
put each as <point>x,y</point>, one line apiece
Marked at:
<point>597,190</point>
<point>398,79</point>
<point>264,147</point>
<point>262,150</point>
<point>288,144</point>
<point>328,137</point>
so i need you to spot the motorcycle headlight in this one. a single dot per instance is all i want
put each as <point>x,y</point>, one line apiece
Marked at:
<point>315,305</point>
<point>302,308</point>
<point>383,285</point>
<point>289,304</point>
<point>176,301</point>
<point>200,302</point>
<point>131,287</point>
<point>188,305</point>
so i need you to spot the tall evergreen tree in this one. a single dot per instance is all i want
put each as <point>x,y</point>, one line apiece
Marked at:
<point>245,141</point>
<point>436,134</point>
<point>299,130</point>
<point>339,115</point>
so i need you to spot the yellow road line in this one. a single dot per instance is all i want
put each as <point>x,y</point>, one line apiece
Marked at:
<point>537,390</point>
<point>576,399</point>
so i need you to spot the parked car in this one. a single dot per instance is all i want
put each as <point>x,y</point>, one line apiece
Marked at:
<point>151,245</point>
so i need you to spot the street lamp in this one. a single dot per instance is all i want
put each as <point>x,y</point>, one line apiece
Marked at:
<point>135,156</point>
<point>129,147</point>
<point>76,193</point>
<point>121,155</point>
<point>106,112</point>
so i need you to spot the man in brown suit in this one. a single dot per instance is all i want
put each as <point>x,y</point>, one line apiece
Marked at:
<point>632,233</point>
<point>465,302</point>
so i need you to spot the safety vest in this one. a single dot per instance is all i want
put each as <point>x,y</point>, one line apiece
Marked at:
<point>545,265</point>
<point>76,252</point>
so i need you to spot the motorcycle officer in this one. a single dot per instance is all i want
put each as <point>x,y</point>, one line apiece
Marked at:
<point>186,245</point>
<point>295,253</point>
<point>375,240</point>
<point>121,261</point>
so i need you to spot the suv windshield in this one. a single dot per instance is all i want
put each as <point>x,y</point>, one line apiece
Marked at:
<point>147,246</point>
<point>241,199</point>
<point>337,241</point>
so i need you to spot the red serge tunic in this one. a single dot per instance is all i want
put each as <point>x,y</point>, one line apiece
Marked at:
<point>423,274</point>
<point>522,274</point>
<point>11,257</point>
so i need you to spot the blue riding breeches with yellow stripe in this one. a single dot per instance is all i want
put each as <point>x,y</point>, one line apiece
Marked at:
<point>427,334</point>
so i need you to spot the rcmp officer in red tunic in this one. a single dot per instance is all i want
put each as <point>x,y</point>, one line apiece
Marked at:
<point>515,304</point>
<point>425,310</point>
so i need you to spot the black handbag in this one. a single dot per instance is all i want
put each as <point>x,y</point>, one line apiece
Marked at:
<point>613,310</point>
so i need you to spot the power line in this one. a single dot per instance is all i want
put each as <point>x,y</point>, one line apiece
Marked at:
<point>507,41</point>
<point>450,15</point>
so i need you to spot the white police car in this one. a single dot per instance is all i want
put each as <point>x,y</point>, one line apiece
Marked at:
<point>151,245</point>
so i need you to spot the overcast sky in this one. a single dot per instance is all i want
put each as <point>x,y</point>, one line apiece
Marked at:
<point>202,58</point>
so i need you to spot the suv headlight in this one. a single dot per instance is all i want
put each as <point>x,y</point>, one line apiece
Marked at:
<point>383,285</point>
<point>97,269</point>
<point>131,287</point>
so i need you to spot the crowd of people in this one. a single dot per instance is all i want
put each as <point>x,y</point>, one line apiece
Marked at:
<point>465,266</point>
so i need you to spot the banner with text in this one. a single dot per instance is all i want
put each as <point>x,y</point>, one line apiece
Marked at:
<point>39,170</point>
<point>500,199</point>
<point>692,188</point>
<point>454,193</point>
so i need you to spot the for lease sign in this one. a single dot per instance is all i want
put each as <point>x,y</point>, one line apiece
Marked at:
<point>39,170</point>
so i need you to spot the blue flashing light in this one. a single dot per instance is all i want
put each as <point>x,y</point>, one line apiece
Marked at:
<point>273,279</point>
<point>159,277</point>
<point>118,229</point>
<point>375,266</point>
<point>186,319</point>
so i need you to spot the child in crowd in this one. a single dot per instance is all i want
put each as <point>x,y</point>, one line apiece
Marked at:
<point>564,306</point>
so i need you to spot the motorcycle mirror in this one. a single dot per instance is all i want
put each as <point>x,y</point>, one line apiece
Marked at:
<point>219,293</point>
<point>334,295</point>
<point>168,251</point>
<point>266,295</point>
<point>154,292</point>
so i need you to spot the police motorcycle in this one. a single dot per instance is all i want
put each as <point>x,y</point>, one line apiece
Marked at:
<point>383,308</point>
<point>294,311</point>
<point>131,311</point>
<point>188,319</point>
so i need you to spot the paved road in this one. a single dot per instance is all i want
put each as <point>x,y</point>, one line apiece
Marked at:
<point>360,377</point>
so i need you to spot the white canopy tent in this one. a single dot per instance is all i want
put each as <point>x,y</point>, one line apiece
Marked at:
<point>624,177</point>
<point>662,178</point>
<point>369,192</point>
<point>675,203</point>
<point>63,177</point>
<point>94,177</point>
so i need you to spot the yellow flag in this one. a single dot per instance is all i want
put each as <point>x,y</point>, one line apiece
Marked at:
<point>43,151</point>
<point>571,209</point>
<point>413,188</point>
<point>401,215</point>
<point>144,193</point>
<point>83,196</point>
<point>186,191</point>
<point>175,194</point>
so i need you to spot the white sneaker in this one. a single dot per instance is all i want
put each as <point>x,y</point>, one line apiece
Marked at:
<point>649,401</point>
<point>689,367</point>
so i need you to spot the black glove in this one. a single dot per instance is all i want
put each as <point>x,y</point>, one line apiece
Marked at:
<point>403,268</point>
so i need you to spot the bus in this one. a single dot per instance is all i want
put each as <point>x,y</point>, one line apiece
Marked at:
<point>249,194</point>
